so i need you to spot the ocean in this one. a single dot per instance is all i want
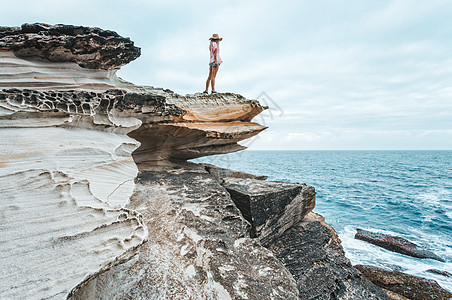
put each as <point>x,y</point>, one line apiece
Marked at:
<point>403,193</point>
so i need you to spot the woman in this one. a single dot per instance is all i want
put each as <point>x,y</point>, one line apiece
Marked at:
<point>215,61</point>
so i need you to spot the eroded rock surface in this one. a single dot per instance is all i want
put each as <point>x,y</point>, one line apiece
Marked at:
<point>412,287</point>
<point>48,78</point>
<point>93,48</point>
<point>198,246</point>
<point>395,243</point>
<point>62,211</point>
<point>160,126</point>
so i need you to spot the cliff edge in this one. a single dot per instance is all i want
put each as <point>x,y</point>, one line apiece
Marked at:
<point>99,201</point>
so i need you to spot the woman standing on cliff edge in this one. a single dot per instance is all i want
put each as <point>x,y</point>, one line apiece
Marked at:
<point>215,61</point>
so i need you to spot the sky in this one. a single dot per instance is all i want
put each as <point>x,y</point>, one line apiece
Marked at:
<point>336,75</point>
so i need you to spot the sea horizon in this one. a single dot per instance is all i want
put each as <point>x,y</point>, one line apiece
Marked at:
<point>344,150</point>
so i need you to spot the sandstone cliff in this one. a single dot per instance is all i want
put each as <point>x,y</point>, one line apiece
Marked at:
<point>98,201</point>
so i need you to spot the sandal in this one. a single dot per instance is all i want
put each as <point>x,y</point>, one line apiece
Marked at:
<point>205,92</point>
<point>214,92</point>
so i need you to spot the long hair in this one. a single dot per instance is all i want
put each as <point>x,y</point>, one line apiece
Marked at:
<point>216,41</point>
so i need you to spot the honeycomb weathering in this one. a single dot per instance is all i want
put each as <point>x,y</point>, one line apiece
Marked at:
<point>91,48</point>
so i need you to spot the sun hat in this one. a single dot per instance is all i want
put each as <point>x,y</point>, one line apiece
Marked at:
<point>215,36</point>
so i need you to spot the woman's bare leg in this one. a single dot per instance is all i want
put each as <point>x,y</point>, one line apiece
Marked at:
<point>208,80</point>
<point>214,74</point>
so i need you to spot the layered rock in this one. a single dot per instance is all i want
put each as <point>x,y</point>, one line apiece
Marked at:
<point>167,125</point>
<point>63,214</point>
<point>68,74</point>
<point>270,207</point>
<point>41,75</point>
<point>160,126</point>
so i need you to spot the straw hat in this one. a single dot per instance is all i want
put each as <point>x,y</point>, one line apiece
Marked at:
<point>215,36</point>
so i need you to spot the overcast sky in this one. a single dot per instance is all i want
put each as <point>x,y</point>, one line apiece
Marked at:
<point>355,74</point>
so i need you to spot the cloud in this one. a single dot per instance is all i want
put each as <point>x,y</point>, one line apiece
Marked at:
<point>341,73</point>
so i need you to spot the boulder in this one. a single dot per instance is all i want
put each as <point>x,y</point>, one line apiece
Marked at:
<point>271,207</point>
<point>412,287</point>
<point>395,244</point>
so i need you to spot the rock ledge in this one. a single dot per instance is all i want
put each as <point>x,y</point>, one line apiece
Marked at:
<point>92,48</point>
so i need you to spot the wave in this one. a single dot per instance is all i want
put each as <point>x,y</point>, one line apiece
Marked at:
<point>403,193</point>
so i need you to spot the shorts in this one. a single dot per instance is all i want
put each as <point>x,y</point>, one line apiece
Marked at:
<point>213,64</point>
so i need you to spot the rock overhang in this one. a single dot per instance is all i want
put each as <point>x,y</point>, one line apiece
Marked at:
<point>68,74</point>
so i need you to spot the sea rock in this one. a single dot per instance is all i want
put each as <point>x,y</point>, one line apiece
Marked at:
<point>220,173</point>
<point>412,287</point>
<point>198,246</point>
<point>440,272</point>
<point>395,244</point>
<point>271,207</point>
<point>92,48</point>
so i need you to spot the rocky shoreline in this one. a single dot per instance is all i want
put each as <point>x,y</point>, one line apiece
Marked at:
<point>396,283</point>
<point>99,201</point>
